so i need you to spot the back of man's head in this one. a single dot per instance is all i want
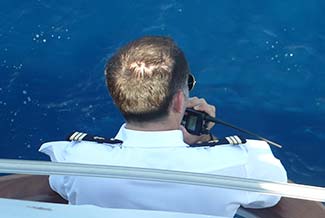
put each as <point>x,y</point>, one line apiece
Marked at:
<point>143,77</point>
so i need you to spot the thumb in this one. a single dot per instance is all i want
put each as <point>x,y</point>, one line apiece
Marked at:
<point>187,137</point>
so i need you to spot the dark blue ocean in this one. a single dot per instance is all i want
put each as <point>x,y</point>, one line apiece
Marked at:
<point>262,63</point>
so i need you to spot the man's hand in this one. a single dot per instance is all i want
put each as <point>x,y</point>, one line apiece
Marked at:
<point>198,104</point>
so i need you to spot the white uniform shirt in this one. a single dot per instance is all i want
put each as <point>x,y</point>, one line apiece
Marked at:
<point>166,150</point>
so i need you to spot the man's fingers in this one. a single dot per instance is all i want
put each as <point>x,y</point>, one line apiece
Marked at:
<point>209,109</point>
<point>192,102</point>
<point>200,104</point>
<point>193,139</point>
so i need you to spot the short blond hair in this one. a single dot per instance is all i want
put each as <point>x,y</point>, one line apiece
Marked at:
<point>143,76</point>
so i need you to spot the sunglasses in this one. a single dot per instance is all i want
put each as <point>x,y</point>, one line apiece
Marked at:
<point>191,82</point>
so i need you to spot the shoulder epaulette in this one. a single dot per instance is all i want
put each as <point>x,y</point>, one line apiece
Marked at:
<point>80,136</point>
<point>230,140</point>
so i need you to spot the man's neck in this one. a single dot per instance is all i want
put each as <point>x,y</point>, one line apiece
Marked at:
<point>161,125</point>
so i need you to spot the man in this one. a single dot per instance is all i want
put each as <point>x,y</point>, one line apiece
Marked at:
<point>148,81</point>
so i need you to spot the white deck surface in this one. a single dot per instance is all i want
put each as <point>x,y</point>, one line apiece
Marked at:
<point>18,209</point>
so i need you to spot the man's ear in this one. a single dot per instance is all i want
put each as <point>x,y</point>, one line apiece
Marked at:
<point>178,101</point>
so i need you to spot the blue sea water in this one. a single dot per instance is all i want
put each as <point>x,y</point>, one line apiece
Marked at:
<point>260,62</point>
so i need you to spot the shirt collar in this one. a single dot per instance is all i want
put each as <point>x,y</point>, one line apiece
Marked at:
<point>150,139</point>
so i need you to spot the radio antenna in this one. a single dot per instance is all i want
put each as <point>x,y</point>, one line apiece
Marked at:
<point>215,120</point>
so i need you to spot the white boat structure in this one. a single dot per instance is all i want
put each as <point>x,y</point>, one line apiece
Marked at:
<point>30,196</point>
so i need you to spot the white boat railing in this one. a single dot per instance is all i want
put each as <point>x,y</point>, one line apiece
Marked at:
<point>106,171</point>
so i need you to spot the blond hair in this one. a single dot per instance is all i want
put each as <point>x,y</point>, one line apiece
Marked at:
<point>143,76</point>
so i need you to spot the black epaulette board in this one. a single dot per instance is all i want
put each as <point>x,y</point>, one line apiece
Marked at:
<point>230,140</point>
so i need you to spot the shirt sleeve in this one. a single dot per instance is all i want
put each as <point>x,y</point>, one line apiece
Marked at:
<point>72,152</point>
<point>56,150</point>
<point>262,165</point>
